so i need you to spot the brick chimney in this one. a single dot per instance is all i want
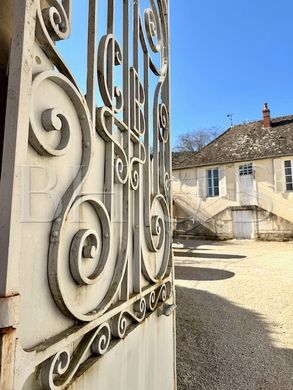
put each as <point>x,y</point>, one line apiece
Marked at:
<point>266,116</point>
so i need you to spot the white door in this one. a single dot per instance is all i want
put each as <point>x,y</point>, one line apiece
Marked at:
<point>243,224</point>
<point>246,185</point>
<point>247,195</point>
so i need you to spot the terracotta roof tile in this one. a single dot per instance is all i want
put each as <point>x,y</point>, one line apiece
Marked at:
<point>245,142</point>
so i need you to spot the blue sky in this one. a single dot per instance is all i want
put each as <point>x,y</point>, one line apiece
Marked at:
<point>230,56</point>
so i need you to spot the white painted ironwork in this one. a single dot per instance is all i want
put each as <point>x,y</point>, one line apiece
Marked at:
<point>94,257</point>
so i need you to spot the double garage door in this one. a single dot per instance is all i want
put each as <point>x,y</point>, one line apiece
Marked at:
<point>243,224</point>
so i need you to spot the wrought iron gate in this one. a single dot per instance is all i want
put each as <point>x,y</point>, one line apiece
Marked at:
<point>86,266</point>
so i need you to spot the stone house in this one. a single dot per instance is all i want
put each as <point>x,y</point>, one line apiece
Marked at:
<point>240,185</point>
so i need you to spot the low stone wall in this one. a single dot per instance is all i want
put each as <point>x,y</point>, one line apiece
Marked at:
<point>271,227</point>
<point>275,236</point>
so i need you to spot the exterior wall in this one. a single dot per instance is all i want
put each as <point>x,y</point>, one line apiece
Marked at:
<point>272,194</point>
<point>184,181</point>
<point>230,171</point>
<point>186,188</point>
<point>197,210</point>
<point>268,194</point>
<point>272,227</point>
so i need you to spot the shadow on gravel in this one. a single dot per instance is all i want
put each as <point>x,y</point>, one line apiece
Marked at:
<point>208,255</point>
<point>197,273</point>
<point>193,244</point>
<point>221,346</point>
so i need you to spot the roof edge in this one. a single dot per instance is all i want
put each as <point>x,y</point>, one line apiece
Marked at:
<point>232,162</point>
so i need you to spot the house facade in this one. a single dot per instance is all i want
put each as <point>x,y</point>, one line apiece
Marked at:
<point>240,185</point>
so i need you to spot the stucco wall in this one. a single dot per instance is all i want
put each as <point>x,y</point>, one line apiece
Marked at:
<point>184,181</point>
<point>273,227</point>
<point>271,194</point>
<point>278,202</point>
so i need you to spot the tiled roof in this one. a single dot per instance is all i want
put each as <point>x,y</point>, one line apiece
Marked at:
<point>245,142</point>
<point>179,157</point>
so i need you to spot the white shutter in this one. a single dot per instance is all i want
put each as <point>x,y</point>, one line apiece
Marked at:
<point>201,183</point>
<point>279,175</point>
<point>222,182</point>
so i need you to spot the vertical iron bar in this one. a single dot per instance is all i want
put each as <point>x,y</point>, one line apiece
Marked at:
<point>109,148</point>
<point>92,60</point>
<point>136,151</point>
<point>68,9</point>
<point>126,139</point>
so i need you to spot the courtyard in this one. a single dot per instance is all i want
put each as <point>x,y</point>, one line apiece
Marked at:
<point>234,316</point>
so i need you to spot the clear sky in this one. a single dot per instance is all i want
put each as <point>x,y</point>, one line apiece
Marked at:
<point>230,56</point>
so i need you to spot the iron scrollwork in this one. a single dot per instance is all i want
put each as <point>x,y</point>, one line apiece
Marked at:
<point>59,370</point>
<point>81,256</point>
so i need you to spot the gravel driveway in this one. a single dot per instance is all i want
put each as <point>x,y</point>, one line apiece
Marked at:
<point>234,316</point>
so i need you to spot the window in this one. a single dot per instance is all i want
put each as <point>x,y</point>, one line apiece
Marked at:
<point>213,182</point>
<point>288,175</point>
<point>245,169</point>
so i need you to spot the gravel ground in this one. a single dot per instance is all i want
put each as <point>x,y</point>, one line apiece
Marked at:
<point>234,316</point>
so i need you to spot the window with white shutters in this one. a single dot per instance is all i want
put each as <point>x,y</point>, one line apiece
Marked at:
<point>213,182</point>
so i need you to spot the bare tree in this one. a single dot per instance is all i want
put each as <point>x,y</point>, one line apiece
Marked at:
<point>195,140</point>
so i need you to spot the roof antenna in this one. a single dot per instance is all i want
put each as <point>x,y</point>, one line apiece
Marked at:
<point>231,118</point>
